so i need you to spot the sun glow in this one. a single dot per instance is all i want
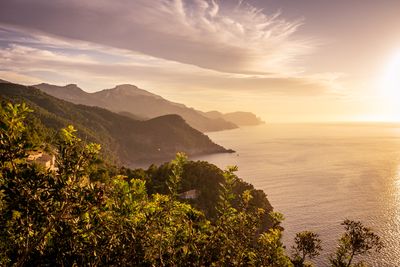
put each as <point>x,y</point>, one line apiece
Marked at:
<point>389,87</point>
<point>391,79</point>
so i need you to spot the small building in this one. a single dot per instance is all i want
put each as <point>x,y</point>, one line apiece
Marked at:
<point>190,194</point>
<point>34,155</point>
<point>44,159</point>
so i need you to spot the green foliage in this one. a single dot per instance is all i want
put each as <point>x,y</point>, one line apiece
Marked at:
<point>176,175</point>
<point>357,240</point>
<point>277,218</point>
<point>306,244</point>
<point>123,139</point>
<point>13,141</point>
<point>86,213</point>
<point>235,232</point>
<point>226,194</point>
<point>206,179</point>
<point>43,210</point>
<point>271,250</point>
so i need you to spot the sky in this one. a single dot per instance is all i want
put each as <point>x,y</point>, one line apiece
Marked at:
<point>285,60</point>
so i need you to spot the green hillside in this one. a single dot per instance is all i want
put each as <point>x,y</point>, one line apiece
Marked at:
<point>128,141</point>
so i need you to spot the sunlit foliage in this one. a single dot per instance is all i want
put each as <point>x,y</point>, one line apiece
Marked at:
<point>81,214</point>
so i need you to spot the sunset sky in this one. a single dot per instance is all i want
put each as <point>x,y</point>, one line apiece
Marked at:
<point>285,60</point>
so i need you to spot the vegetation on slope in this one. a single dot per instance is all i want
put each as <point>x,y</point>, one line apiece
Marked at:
<point>124,139</point>
<point>75,217</point>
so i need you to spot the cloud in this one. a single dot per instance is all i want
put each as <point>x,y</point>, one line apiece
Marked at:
<point>212,35</point>
<point>105,69</point>
<point>185,51</point>
<point>34,58</point>
<point>18,78</point>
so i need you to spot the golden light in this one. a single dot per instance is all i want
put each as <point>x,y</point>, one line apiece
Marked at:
<point>390,84</point>
<point>389,88</point>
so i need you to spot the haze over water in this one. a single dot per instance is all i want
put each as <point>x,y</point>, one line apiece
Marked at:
<point>319,174</point>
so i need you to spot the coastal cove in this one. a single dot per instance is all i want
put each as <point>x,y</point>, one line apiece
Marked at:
<point>319,174</point>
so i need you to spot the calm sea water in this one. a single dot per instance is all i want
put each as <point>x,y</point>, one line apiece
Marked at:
<point>318,175</point>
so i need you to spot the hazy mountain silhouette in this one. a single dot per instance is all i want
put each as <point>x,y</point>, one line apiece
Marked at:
<point>130,141</point>
<point>139,102</point>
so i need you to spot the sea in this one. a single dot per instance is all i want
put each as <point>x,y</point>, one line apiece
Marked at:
<point>318,175</point>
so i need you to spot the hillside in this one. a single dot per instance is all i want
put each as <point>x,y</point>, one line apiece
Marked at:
<point>4,81</point>
<point>240,118</point>
<point>87,212</point>
<point>130,141</point>
<point>141,103</point>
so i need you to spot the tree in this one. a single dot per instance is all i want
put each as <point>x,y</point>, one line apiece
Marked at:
<point>270,249</point>
<point>357,240</point>
<point>174,180</point>
<point>77,215</point>
<point>13,135</point>
<point>13,147</point>
<point>307,244</point>
<point>43,213</point>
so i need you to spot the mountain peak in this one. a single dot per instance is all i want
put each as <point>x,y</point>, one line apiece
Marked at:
<point>129,90</point>
<point>73,86</point>
<point>126,86</point>
<point>130,99</point>
<point>69,92</point>
<point>137,141</point>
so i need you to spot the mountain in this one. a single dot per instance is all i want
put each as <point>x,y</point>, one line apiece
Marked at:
<point>239,118</point>
<point>130,141</point>
<point>4,81</point>
<point>132,116</point>
<point>141,103</point>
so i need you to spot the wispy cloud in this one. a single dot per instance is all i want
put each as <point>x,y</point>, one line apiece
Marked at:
<point>186,51</point>
<point>229,38</point>
<point>107,68</point>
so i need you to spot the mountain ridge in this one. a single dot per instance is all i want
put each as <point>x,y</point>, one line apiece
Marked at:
<point>131,141</point>
<point>139,102</point>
